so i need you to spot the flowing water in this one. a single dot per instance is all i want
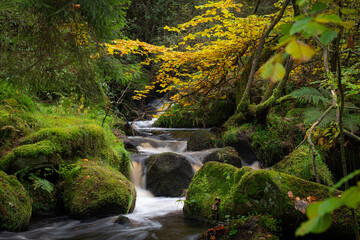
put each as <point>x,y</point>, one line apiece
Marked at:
<point>157,218</point>
<point>153,217</point>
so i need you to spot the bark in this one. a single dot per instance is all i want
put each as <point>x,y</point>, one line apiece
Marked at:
<point>245,101</point>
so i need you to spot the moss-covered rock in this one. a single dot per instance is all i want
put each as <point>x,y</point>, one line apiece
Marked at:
<point>98,191</point>
<point>168,174</point>
<point>213,181</point>
<point>201,140</point>
<point>213,114</point>
<point>241,142</point>
<point>15,206</point>
<point>245,228</point>
<point>299,163</point>
<point>225,155</point>
<point>266,192</point>
<point>243,192</point>
<point>268,142</point>
<point>48,146</point>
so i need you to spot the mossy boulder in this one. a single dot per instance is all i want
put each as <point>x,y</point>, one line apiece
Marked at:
<point>269,142</point>
<point>168,174</point>
<point>48,146</point>
<point>299,163</point>
<point>15,206</point>
<point>30,157</point>
<point>213,114</point>
<point>213,181</point>
<point>225,155</point>
<point>241,142</point>
<point>266,192</point>
<point>201,140</point>
<point>245,191</point>
<point>98,190</point>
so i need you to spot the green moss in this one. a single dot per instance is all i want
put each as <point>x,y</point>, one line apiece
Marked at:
<point>201,140</point>
<point>48,146</point>
<point>270,142</point>
<point>243,192</point>
<point>30,157</point>
<point>97,191</point>
<point>209,115</point>
<point>213,180</point>
<point>15,207</point>
<point>265,191</point>
<point>299,163</point>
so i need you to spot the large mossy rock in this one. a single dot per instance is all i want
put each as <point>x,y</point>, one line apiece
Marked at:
<point>201,140</point>
<point>48,146</point>
<point>243,192</point>
<point>98,191</point>
<point>213,181</point>
<point>299,163</point>
<point>270,142</point>
<point>15,206</point>
<point>168,174</point>
<point>213,114</point>
<point>225,155</point>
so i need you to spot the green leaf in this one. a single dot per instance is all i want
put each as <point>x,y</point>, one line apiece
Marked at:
<point>284,40</point>
<point>319,7</point>
<point>301,3</point>
<point>327,37</point>
<point>347,10</point>
<point>299,25</point>
<point>312,210</point>
<point>351,197</point>
<point>329,205</point>
<point>333,18</point>
<point>285,28</point>
<point>316,225</point>
<point>314,28</point>
<point>299,51</point>
<point>344,179</point>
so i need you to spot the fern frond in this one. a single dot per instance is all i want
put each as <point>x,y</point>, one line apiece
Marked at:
<point>41,183</point>
<point>352,122</point>
<point>311,115</point>
<point>310,95</point>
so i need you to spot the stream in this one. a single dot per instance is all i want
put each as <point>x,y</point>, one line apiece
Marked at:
<point>153,217</point>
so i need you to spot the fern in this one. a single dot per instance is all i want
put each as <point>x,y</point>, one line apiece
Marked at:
<point>41,183</point>
<point>312,114</point>
<point>352,122</point>
<point>310,95</point>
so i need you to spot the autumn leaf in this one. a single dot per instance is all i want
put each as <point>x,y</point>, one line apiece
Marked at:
<point>273,69</point>
<point>290,194</point>
<point>299,51</point>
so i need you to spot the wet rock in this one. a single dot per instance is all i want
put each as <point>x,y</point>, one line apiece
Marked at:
<point>15,206</point>
<point>97,191</point>
<point>241,142</point>
<point>201,140</point>
<point>225,155</point>
<point>122,220</point>
<point>168,174</point>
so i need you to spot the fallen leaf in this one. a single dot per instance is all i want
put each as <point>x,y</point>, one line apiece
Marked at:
<point>290,194</point>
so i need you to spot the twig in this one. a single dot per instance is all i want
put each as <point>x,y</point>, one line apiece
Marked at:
<point>312,146</point>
